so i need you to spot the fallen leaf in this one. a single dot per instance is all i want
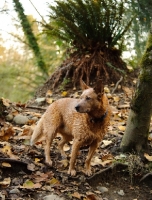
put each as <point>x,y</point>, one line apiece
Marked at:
<point>6,102</point>
<point>96,161</point>
<point>121,128</point>
<point>6,181</point>
<point>7,150</point>
<point>66,147</point>
<point>106,162</point>
<point>49,93</point>
<point>107,157</point>
<point>6,132</point>
<point>54,181</point>
<point>148,157</point>
<point>93,197</point>
<point>49,100</point>
<point>77,195</point>
<point>30,185</point>
<point>63,163</point>
<point>37,160</point>
<point>5,164</point>
<point>106,90</point>
<point>116,99</point>
<point>31,167</point>
<point>106,142</point>
<point>64,93</point>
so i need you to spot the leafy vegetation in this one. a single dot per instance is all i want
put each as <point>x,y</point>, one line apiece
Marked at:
<point>88,23</point>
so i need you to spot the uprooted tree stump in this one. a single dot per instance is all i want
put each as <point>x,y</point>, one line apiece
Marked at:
<point>103,63</point>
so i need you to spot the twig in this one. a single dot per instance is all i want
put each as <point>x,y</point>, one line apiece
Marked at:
<point>35,107</point>
<point>121,78</point>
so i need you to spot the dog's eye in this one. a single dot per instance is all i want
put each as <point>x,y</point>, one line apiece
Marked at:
<point>88,98</point>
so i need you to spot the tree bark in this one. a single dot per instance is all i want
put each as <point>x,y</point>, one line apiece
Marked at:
<point>32,41</point>
<point>137,130</point>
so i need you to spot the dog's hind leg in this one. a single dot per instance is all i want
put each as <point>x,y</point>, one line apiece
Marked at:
<point>65,139</point>
<point>50,135</point>
<point>91,152</point>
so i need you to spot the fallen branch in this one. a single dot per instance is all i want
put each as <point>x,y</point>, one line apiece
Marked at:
<point>121,78</point>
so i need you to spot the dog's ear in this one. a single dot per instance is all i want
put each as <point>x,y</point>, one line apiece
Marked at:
<point>99,88</point>
<point>83,85</point>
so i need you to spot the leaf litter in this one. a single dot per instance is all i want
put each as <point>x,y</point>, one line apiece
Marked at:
<point>34,179</point>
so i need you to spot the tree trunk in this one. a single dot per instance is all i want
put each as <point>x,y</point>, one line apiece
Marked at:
<point>137,130</point>
<point>32,41</point>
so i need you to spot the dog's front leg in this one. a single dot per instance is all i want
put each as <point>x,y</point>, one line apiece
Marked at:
<point>75,148</point>
<point>91,152</point>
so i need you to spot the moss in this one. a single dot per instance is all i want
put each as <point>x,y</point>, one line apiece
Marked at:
<point>146,75</point>
<point>147,57</point>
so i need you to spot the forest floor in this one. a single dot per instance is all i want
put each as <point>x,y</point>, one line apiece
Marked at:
<point>116,176</point>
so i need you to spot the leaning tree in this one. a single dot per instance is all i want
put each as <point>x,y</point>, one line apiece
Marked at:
<point>93,30</point>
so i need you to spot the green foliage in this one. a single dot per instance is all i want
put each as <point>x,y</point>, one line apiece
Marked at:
<point>32,41</point>
<point>137,35</point>
<point>87,24</point>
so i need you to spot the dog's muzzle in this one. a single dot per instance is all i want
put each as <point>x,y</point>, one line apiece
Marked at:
<point>77,108</point>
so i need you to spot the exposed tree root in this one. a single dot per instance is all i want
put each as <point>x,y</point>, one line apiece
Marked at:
<point>103,63</point>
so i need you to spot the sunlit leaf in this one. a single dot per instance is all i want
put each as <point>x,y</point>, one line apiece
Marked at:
<point>148,157</point>
<point>5,164</point>
<point>6,181</point>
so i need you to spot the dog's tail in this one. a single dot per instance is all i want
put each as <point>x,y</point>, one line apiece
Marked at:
<point>37,133</point>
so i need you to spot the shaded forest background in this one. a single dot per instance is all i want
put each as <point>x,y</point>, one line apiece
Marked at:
<point>19,73</point>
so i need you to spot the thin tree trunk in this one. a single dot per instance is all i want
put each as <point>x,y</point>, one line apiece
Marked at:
<point>137,130</point>
<point>32,41</point>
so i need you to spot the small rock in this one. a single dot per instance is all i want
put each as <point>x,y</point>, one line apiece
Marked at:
<point>102,189</point>
<point>14,191</point>
<point>53,197</point>
<point>35,119</point>
<point>40,101</point>
<point>9,117</point>
<point>121,193</point>
<point>20,119</point>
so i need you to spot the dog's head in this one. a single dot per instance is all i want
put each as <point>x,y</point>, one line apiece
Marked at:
<point>91,98</point>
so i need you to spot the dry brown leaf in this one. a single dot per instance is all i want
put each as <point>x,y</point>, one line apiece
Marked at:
<point>5,164</point>
<point>116,99</point>
<point>66,147</point>
<point>6,132</point>
<point>93,197</point>
<point>77,195</point>
<point>122,128</point>
<point>106,142</point>
<point>49,93</point>
<point>6,102</point>
<point>49,100</point>
<point>6,181</point>
<point>107,157</point>
<point>6,149</point>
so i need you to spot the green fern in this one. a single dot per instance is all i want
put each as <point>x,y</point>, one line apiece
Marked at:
<point>86,23</point>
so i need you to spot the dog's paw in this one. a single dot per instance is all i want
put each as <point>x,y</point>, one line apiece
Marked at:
<point>72,172</point>
<point>49,163</point>
<point>88,172</point>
